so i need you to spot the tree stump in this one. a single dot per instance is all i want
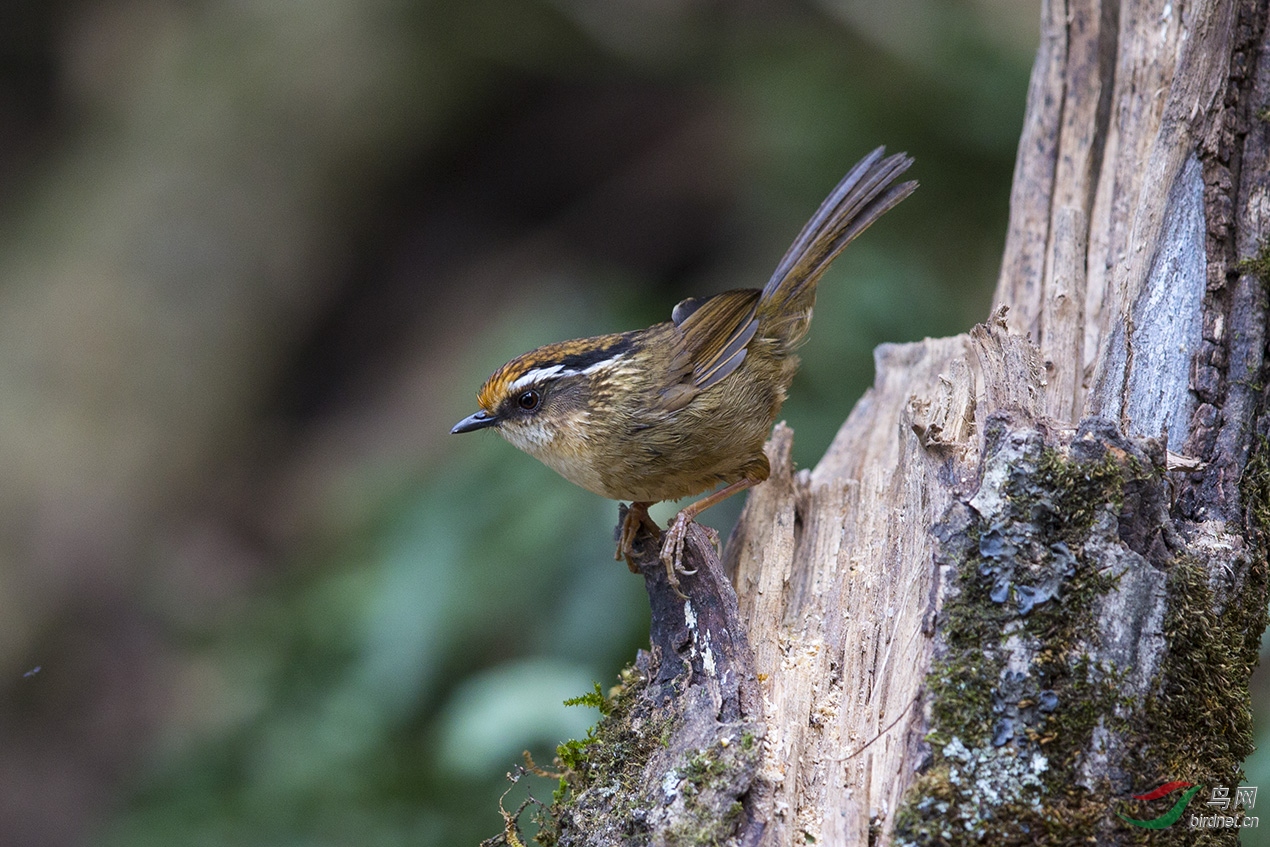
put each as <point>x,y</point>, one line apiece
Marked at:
<point>1028,579</point>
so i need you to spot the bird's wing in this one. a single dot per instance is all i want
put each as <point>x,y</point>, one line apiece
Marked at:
<point>710,342</point>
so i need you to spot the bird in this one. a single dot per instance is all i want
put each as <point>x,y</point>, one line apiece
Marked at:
<point>686,405</point>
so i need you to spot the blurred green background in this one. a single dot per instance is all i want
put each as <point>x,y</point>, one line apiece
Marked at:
<point>255,259</point>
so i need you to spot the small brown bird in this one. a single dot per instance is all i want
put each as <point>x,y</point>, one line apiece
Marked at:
<point>683,406</point>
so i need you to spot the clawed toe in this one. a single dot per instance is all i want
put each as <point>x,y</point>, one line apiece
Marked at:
<point>672,551</point>
<point>673,541</point>
<point>635,519</point>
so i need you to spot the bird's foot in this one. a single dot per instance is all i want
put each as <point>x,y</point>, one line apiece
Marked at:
<point>635,518</point>
<point>672,550</point>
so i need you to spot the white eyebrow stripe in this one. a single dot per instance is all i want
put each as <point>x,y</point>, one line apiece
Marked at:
<point>543,374</point>
<point>540,374</point>
<point>604,363</point>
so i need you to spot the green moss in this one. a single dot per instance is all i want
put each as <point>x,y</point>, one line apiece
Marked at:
<point>707,830</point>
<point>1004,740</point>
<point>1258,265</point>
<point>603,785</point>
<point>702,766</point>
<point>1254,489</point>
<point>1051,511</point>
<point>1197,727</point>
<point>709,770</point>
<point>613,754</point>
<point>595,699</point>
<point>612,761</point>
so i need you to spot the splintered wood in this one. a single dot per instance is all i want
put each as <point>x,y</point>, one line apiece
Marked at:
<point>834,570</point>
<point>1138,219</point>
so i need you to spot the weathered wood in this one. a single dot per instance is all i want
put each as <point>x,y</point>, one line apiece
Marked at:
<point>1028,579</point>
<point>1064,316</point>
<point>676,759</point>
<point>834,570</point>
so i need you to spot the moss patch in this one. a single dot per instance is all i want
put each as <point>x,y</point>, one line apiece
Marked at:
<point>1258,265</point>
<point>709,770</point>
<point>1014,741</point>
<point>604,792</point>
<point>610,760</point>
<point>1016,699</point>
<point>1199,727</point>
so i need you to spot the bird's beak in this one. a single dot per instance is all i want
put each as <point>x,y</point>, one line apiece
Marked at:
<point>471,423</point>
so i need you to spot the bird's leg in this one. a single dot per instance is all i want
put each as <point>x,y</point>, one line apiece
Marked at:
<point>636,517</point>
<point>672,547</point>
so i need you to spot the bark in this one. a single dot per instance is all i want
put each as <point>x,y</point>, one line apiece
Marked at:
<point>1028,579</point>
<point>676,760</point>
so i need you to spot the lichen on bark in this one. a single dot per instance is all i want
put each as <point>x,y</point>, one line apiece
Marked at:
<point>1051,700</point>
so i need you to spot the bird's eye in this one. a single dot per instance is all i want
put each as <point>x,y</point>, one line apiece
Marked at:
<point>529,400</point>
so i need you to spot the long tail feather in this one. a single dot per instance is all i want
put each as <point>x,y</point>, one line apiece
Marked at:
<point>864,195</point>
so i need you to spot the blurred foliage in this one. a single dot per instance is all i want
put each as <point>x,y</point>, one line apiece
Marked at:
<point>377,694</point>
<point>372,701</point>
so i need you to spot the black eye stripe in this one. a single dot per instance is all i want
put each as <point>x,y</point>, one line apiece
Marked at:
<point>582,361</point>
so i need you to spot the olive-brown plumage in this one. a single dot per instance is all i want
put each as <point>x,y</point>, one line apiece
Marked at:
<point>683,406</point>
